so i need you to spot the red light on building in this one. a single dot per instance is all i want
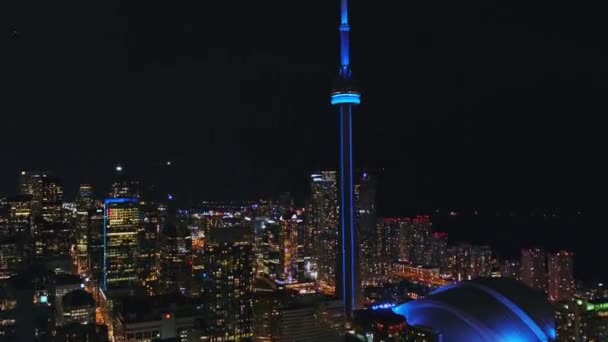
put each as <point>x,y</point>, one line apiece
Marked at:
<point>168,316</point>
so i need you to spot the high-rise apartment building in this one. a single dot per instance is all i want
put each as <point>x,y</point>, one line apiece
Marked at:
<point>289,251</point>
<point>121,224</point>
<point>323,224</point>
<point>510,269</point>
<point>365,209</point>
<point>534,268</point>
<point>579,320</point>
<point>481,262</point>
<point>227,284</point>
<point>561,278</point>
<point>466,261</point>
<point>439,250</point>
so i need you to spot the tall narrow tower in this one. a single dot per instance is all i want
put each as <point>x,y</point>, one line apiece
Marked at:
<point>345,96</point>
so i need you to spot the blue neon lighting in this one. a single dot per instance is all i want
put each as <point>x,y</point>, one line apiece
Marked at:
<point>516,310</point>
<point>345,98</point>
<point>344,12</point>
<point>383,306</point>
<point>416,314</point>
<point>120,200</point>
<point>343,245</point>
<point>510,324</point>
<point>351,209</point>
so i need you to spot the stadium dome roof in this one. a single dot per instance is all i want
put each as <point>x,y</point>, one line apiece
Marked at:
<point>484,310</point>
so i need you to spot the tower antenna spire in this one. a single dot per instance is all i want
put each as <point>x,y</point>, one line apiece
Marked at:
<point>345,73</point>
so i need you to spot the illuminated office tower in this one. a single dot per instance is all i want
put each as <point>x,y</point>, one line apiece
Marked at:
<point>198,268</point>
<point>82,239</point>
<point>85,199</point>
<point>46,191</point>
<point>51,239</point>
<point>19,212</point>
<point>31,183</point>
<point>345,96</point>
<point>95,245</point>
<point>148,267</point>
<point>175,267</point>
<point>323,224</point>
<point>10,257</point>
<point>227,284</point>
<point>561,279</point>
<point>51,199</point>
<point>534,268</point>
<point>121,224</point>
<point>123,186</point>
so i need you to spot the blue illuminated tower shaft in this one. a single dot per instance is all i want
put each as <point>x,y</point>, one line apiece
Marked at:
<point>348,276</point>
<point>345,96</point>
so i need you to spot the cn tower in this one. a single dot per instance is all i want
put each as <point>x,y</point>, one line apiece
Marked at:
<point>345,97</point>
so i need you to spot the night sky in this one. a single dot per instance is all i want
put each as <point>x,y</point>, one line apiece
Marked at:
<point>466,104</point>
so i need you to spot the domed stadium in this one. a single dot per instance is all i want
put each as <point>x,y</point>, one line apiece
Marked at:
<point>483,310</point>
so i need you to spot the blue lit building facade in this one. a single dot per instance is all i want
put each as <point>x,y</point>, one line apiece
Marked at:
<point>120,249</point>
<point>345,97</point>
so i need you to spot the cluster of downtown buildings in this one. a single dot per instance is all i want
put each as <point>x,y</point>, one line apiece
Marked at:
<point>126,268</point>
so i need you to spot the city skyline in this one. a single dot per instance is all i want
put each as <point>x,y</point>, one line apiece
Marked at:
<point>200,172</point>
<point>476,108</point>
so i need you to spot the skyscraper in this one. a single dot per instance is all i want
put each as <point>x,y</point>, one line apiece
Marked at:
<point>345,96</point>
<point>561,279</point>
<point>439,250</point>
<point>31,183</point>
<point>51,199</point>
<point>578,321</point>
<point>85,199</point>
<point>510,269</point>
<point>322,233</point>
<point>123,186</point>
<point>534,268</point>
<point>121,223</point>
<point>419,240</point>
<point>227,284</point>
<point>288,245</point>
<point>46,191</point>
<point>175,265</point>
<point>96,245</point>
<point>81,227</point>
<point>365,198</point>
